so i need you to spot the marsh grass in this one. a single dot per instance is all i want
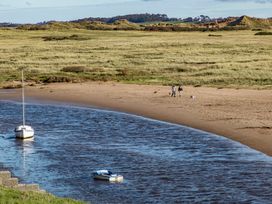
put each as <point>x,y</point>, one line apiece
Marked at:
<point>58,38</point>
<point>75,69</point>
<point>236,59</point>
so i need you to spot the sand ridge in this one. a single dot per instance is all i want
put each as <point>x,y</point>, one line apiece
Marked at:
<point>239,114</point>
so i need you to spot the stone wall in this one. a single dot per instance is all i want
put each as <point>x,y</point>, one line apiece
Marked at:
<point>8,181</point>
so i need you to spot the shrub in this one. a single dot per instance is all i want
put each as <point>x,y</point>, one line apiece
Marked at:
<point>57,79</point>
<point>263,33</point>
<point>12,86</point>
<point>214,35</point>
<point>75,69</point>
<point>123,72</point>
<point>58,38</point>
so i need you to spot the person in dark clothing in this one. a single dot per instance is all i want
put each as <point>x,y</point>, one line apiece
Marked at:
<point>180,89</point>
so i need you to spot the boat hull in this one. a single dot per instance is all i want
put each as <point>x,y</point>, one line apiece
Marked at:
<point>117,178</point>
<point>24,132</point>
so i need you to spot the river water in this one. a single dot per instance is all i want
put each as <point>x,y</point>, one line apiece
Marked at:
<point>161,162</point>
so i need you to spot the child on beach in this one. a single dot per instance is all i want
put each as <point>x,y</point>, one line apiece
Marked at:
<point>173,89</point>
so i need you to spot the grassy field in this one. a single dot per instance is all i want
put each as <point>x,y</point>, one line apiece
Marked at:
<point>8,196</point>
<point>224,59</point>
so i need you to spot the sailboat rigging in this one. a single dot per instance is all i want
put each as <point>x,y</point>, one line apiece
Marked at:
<point>23,131</point>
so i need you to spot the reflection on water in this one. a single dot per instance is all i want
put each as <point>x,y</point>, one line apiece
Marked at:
<point>161,163</point>
<point>26,148</point>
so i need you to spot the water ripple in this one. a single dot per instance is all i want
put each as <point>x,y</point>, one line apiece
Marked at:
<point>161,162</point>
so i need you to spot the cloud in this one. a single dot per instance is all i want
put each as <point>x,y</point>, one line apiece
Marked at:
<point>256,1</point>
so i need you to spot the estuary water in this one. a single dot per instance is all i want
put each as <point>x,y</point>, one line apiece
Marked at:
<point>161,162</point>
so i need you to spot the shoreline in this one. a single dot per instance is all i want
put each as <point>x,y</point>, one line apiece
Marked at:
<point>241,115</point>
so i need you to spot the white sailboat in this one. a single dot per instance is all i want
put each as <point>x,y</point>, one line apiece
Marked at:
<point>24,131</point>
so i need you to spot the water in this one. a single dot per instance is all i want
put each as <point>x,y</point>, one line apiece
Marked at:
<point>161,162</point>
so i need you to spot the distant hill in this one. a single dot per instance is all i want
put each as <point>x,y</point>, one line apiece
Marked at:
<point>230,23</point>
<point>149,18</point>
<point>246,21</point>
<point>156,22</point>
<point>88,25</point>
<point>134,18</point>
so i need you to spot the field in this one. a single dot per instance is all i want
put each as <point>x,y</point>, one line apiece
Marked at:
<point>238,59</point>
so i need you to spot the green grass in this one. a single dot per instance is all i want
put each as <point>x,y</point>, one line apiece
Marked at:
<point>8,196</point>
<point>235,59</point>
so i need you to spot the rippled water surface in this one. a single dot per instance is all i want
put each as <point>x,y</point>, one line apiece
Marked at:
<point>161,162</point>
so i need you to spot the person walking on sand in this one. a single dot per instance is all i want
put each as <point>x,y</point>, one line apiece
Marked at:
<point>180,89</point>
<point>173,89</point>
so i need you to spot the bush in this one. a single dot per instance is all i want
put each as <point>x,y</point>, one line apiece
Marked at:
<point>58,38</point>
<point>263,33</point>
<point>213,35</point>
<point>12,86</point>
<point>75,69</point>
<point>57,79</point>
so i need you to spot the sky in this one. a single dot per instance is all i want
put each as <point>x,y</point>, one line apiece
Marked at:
<point>34,11</point>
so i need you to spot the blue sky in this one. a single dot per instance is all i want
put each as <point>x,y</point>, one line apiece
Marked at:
<point>33,11</point>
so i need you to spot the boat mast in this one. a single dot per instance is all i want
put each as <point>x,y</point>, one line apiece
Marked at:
<point>23,97</point>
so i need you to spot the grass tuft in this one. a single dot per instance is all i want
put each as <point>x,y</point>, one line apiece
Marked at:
<point>9,196</point>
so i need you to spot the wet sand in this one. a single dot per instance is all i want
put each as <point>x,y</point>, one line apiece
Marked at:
<point>241,115</point>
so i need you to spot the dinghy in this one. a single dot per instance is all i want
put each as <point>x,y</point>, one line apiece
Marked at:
<point>107,176</point>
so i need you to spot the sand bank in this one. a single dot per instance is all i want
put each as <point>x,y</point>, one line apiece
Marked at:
<point>241,115</point>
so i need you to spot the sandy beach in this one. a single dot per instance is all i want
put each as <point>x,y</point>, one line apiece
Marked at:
<point>242,115</point>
